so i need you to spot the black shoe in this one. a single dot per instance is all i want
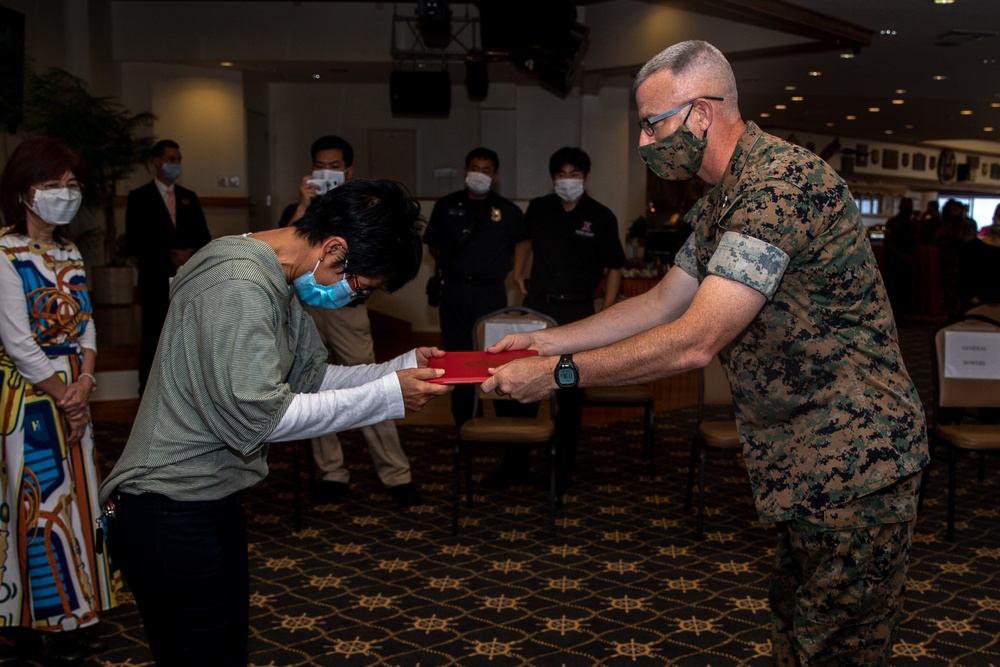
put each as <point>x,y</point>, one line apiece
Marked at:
<point>49,648</point>
<point>328,492</point>
<point>405,495</point>
<point>502,479</point>
<point>90,640</point>
<point>542,482</point>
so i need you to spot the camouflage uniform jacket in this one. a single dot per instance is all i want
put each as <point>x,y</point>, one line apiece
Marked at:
<point>826,410</point>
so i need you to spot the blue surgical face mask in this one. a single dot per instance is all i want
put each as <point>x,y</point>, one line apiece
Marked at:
<point>171,171</point>
<point>336,295</point>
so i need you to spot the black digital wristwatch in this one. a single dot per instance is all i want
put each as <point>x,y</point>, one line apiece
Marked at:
<point>567,374</point>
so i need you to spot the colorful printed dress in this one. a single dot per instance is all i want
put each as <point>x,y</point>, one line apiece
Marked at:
<point>51,577</point>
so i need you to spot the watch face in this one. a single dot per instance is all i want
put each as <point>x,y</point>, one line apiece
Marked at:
<point>566,377</point>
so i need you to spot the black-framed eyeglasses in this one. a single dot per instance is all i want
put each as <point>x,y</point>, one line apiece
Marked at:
<point>359,291</point>
<point>646,124</point>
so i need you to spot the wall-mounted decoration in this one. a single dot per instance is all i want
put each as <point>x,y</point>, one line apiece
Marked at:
<point>906,160</point>
<point>919,162</point>
<point>947,169</point>
<point>873,156</point>
<point>861,155</point>
<point>972,161</point>
<point>995,171</point>
<point>890,158</point>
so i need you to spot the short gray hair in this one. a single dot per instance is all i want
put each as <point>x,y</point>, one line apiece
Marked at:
<point>694,57</point>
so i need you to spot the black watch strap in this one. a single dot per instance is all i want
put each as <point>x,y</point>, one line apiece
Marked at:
<point>566,374</point>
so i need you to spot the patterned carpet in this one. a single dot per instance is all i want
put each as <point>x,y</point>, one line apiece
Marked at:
<point>624,582</point>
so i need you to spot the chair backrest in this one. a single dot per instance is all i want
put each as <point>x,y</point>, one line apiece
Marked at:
<point>713,387</point>
<point>974,343</point>
<point>514,319</point>
<point>990,310</point>
<point>493,326</point>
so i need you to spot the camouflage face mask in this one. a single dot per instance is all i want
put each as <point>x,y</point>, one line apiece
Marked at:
<point>676,157</point>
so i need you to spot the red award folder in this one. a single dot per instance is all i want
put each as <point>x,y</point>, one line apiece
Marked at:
<point>471,367</point>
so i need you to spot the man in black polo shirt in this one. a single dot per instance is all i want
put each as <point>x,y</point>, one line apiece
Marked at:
<point>574,243</point>
<point>471,235</point>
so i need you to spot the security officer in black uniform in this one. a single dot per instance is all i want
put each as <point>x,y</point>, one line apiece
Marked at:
<point>471,235</point>
<point>574,243</point>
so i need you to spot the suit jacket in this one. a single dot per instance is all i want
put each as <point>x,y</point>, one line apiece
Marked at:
<point>150,235</point>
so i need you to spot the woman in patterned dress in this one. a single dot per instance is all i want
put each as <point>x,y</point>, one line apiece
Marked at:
<point>52,581</point>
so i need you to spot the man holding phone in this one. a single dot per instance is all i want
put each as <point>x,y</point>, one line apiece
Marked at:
<point>347,334</point>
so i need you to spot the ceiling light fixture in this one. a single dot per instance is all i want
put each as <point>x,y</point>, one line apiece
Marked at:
<point>939,77</point>
<point>851,117</point>
<point>829,123</point>
<point>780,106</point>
<point>995,105</point>
<point>227,63</point>
<point>315,76</point>
<point>764,114</point>
<point>888,131</point>
<point>789,88</point>
<point>815,73</point>
<point>847,56</point>
<point>944,2</point>
<point>901,91</point>
<point>966,112</point>
<point>888,32</point>
<point>874,109</point>
<point>909,126</point>
<point>898,102</point>
<point>797,98</point>
<point>987,129</point>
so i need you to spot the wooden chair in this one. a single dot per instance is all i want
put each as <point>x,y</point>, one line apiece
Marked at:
<point>954,391</point>
<point>490,430</point>
<point>710,436</point>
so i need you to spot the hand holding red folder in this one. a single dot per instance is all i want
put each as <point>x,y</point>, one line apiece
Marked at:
<point>472,367</point>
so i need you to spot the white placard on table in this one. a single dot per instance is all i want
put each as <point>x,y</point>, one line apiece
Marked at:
<point>972,355</point>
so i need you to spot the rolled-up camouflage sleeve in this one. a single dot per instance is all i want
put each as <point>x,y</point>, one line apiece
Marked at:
<point>750,261</point>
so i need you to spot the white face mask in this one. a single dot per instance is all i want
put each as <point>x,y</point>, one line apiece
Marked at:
<point>568,189</point>
<point>57,206</point>
<point>478,182</point>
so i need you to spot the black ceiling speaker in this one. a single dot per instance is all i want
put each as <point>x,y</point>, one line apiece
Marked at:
<point>543,37</point>
<point>11,68</point>
<point>420,93</point>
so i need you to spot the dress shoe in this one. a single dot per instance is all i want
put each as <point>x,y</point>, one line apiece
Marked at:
<point>405,495</point>
<point>90,640</point>
<point>48,648</point>
<point>328,492</point>
<point>502,479</point>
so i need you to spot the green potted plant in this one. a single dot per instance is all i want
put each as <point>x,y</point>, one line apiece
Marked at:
<point>112,142</point>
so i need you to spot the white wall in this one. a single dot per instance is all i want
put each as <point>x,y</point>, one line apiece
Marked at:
<point>202,110</point>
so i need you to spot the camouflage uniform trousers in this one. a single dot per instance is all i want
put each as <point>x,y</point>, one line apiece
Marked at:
<point>839,578</point>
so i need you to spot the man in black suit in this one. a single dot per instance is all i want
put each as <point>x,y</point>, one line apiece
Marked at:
<point>164,226</point>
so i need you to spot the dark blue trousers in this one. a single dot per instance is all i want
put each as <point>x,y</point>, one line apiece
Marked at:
<point>187,566</point>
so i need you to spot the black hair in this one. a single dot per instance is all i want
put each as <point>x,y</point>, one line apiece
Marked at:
<point>159,148</point>
<point>483,154</point>
<point>572,156</point>
<point>331,142</point>
<point>381,224</point>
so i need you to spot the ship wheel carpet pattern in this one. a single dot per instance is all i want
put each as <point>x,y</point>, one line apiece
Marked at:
<point>623,582</point>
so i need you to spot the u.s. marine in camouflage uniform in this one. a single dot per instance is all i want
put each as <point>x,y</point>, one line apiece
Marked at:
<point>779,280</point>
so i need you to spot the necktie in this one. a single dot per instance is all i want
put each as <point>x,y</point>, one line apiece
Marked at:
<point>172,205</point>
